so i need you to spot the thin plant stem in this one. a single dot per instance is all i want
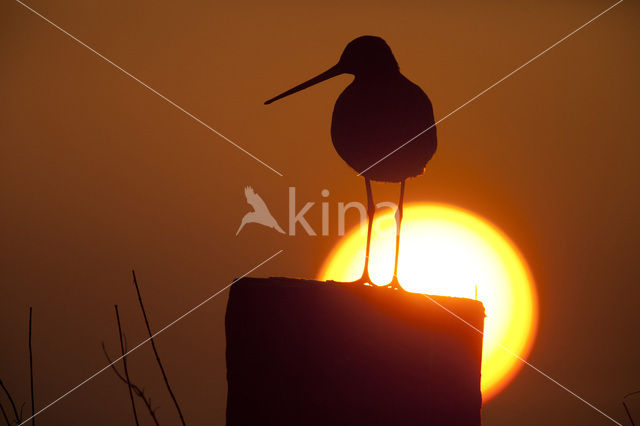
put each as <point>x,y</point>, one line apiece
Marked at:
<point>139,392</point>
<point>33,410</point>
<point>13,405</point>
<point>155,350</point>
<point>126,370</point>
<point>624,404</point>
<point>4,414</point>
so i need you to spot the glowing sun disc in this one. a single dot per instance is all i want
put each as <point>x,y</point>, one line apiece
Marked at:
<point>448,251</point>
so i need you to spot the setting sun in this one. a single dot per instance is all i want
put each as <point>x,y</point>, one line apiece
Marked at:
<point>448,251</point>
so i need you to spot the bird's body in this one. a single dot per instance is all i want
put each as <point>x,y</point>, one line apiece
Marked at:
<point>373,117</point>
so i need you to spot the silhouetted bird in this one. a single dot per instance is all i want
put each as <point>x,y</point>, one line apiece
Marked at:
<point>260,213</point>
<point>376,114</point>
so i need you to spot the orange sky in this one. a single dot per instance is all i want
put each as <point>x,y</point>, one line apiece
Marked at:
<point>99,175</point>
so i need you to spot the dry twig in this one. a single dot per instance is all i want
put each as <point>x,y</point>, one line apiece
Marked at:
<point>155,350</point>
<point>627,408</point>
<point>13,405</point>
<point>126,370</point>
<point>136,389</point>
<point>4,414</point>
<point>33,410</point>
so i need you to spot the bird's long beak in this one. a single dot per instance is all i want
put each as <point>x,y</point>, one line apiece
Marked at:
<point>331,72</point>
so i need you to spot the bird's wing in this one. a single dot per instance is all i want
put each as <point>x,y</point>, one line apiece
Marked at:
<point>248,192</point>
<point>254,200</point>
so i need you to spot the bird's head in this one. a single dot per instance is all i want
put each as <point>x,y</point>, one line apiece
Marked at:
<point>366,56</point>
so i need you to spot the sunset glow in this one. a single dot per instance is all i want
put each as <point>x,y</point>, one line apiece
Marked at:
<point>448,251</point>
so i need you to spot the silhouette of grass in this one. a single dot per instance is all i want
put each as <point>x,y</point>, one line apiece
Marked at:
<point>18,417</point>
<point>4,414</point>
<point>139,392</point>
<point>33,410</point>
<point>18,414</point>
<point>125,378</point>
<point>126,370</point>
<point>132,387</point>
<point>155,350</point>
<point>626,408</point>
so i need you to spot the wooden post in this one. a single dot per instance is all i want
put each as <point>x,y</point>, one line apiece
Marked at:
<point>315,353</point>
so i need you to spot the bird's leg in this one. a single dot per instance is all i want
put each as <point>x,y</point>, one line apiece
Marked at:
<point>395,284</point>
<point>371,211</point>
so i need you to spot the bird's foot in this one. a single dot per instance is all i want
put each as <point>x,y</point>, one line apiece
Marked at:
<point>364,280</point>
<point>394,285</point>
